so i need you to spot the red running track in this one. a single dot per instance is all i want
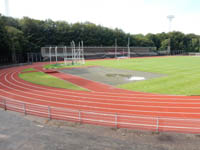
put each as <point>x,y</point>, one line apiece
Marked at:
<point>102,105</point>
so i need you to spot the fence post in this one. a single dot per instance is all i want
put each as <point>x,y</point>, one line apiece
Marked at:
<point>157,124</point>
<point>79,116</point>
<point>49,112</point>
<point>24,106</point>
<point>116,121</point>
<point>4,101</point>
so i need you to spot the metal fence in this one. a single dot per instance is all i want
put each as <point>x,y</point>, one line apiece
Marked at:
<point>116,120</point>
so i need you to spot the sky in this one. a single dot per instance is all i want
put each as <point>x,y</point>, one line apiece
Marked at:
<point>132,16</point>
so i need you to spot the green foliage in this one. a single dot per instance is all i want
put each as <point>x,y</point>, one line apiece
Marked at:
<point>164,44</point>
<point>195,44</point>
<point>31,34</point>
<point>16,37</point>
<point>16,40</point>
<point>4,39</point>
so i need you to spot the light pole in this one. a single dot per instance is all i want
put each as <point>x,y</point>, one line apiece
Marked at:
<point>199,44</point>
<point>129,48</point>
<point>115,48</point>
<point>170,18</point>
<point>7,13</point>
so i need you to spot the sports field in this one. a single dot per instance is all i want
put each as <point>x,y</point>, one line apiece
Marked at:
<point>181,74</point>
<point>57,94</point>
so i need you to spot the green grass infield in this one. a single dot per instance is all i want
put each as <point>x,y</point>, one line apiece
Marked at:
<point>48,80</point>
<point>182,73</point>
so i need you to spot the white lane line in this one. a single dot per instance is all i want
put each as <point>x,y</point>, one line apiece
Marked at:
<point>67,99</point>
<point>103,98</point>
<point>113,109</point>
<point>81,95</point>
<point>150,94</point>
<point>136,97</point>
<point>146,111</point>
<point>94,107</point>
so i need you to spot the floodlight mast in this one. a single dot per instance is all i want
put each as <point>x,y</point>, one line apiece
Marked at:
<point>170,18</point>
<point>129,48</point>
<point>7,13</point>
<point>115,48</point>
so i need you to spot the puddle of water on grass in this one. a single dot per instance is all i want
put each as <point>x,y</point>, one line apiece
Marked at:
<point>127,76</point>
<point>136,78</point>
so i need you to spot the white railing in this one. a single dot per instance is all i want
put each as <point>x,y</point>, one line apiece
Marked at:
<point>116,120</point>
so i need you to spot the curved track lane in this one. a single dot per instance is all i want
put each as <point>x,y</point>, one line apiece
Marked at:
<point>134,109</point>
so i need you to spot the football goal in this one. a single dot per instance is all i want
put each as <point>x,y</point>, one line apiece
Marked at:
<point>70,55</point>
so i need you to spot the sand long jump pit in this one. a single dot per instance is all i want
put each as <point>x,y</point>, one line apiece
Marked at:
<point>111,76</point>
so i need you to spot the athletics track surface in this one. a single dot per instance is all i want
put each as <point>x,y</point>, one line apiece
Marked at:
<point>102,104</point>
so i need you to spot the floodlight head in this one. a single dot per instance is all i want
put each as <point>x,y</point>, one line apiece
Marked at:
<point>170,17</point>
<point>7,8</point>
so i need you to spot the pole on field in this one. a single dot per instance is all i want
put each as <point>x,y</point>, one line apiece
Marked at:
<point>115,48</point>
<point>73,52</point>
<point>72,47</point>
<point>170,18</point>
<point>50,54</point>
<point>128,47</point>
<point>79,52</point>
<point>56,53</point>
<point>82,50</point>
<point>65,51</point>
<point>199,44</point>
<point>157,125</point>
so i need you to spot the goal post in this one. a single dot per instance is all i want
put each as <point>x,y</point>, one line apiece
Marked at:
<point>77,56</point>
<point>122,52</point>
<point>70,55</point>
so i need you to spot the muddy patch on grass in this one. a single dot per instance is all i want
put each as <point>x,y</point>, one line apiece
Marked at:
<point>111,76</point>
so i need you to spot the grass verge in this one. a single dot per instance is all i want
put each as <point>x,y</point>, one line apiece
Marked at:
<point>48,80</point>
<point>28,69</point>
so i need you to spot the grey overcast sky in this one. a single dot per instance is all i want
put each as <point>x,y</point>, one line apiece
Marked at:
<point>132,16</point>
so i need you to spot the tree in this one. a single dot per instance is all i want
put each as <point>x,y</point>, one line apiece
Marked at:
<point>164,44</point>
<point>16,39</point>
<point>155,39</point>
<point>4,44</point>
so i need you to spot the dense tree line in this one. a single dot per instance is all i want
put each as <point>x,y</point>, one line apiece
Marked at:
<point>19,36</point>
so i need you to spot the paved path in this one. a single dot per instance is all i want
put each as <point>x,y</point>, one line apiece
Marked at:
<point>19,132</point>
